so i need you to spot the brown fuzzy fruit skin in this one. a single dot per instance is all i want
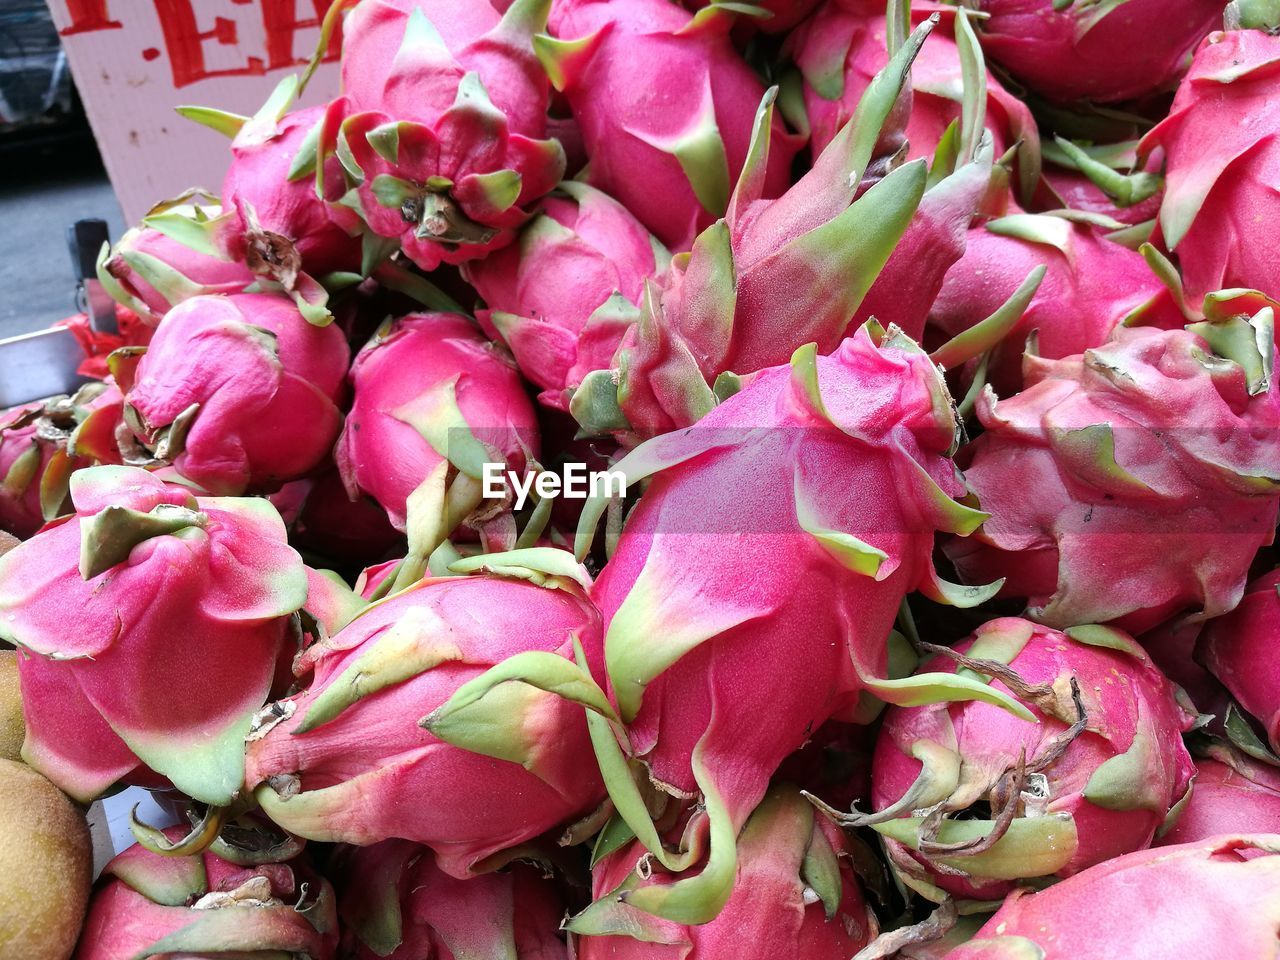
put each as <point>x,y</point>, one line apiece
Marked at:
<point>46,866</point>
<point>12,729</point>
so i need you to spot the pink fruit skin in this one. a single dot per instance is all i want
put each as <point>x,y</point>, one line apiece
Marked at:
<point>988,739</point>
<point>368,773</point>
<point>934,241</point>
<point>1239,649</point>
<point>1172,647</point>
<point>385,456</point>
<point>768,915</point>
<point>268,404</point>
<point>643,85</point>
<point>332,525</point>
<point>1072,190</point>
<point>203,274</point>
<point>842,47</point>
<point>1220,207</point>
<point>515,913</point>
<point>206,610</point>
<point>1207,899</point>
<point>716,549</point>
<point>1063,548</point>
<point>1241,796</point>
<point>145,900</point>
<point>1090,285</point>
<point>581,249</point>
<point>465,142</point>
<point>258,177</point>
<point>1058,55</point>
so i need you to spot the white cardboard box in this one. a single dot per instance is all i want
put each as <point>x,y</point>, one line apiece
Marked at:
<point>135,60</point>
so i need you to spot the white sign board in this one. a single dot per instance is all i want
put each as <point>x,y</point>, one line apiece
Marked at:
<point>135,60</point>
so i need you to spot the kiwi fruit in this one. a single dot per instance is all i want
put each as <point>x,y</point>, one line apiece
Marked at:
<point>12,729</point>
<point>46,866</point>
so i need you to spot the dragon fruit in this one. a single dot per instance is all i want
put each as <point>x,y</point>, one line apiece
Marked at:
<point>795,895</point>
<point>665,106</point>
<point>1239,649</point>
<point>1233,794</point>
<point>1219,208</point>
<point>1093,776</point>
<point>1149,447</point>
<point>38,455</point>
<point>396,903</point>
<point>351,533</point>
<point>1085,51</point>
<point>200,590</point>
<point>147,905</point>
<point>748,566</point>
<point>718,310</point>
<point>1090,286</point>
<point>238,392</point>
<point>443,126</point>
<point>434,401</point>
<point>843,46</point>
<point>149,272</point>
<point>551,296</point>
<point>1205,899</point>
<point>274,221</point>
<point>1108,180</point>
<point>279,227</point>
<point>347,761</point>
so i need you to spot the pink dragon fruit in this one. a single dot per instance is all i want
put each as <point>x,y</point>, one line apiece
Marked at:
<point>38,454</point>
<point>434,401</point>
<point>396,903</point>
<point>747,566</point>
<point>1219,210</point>
<point>1090,286</point>
<point>1150,447</point>
<point>348,761</point>
<point>151,905</point>
<point>1085,51</point>
<point>331,525</point>
<point>551,296</point>
<point>1233,794</point>
<point>444,124</point>
<point>238,392</point>
<point>199,590</point>
<point>1204,899</point>
<point>795,895</point>
<point>1239,649</point>
<point>718,310</point>
<point>665,105</point>
<point>150,272</point>
<point>1091,777</point>
<point>1172,648</point>
<point>1107,180</point>
<point>279,227</point>
<point>842,47</point>
<point>935,240</point>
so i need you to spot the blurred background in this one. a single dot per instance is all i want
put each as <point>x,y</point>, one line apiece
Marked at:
<point>53,172</point>
<point>87,128</point>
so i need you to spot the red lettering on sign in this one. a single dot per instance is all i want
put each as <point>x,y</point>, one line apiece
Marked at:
<point>281,20</point>
<point>185,42</point>
<point>87,16</point>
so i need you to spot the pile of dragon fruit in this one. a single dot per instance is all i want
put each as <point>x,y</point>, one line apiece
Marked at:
<point>917,597</point>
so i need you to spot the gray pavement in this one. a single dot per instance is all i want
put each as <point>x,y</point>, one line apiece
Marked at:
<point>43,191</point>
